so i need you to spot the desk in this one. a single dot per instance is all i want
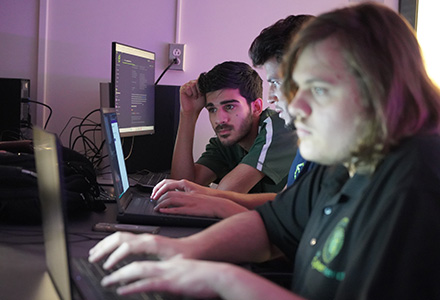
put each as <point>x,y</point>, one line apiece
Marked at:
<point>22,256</point>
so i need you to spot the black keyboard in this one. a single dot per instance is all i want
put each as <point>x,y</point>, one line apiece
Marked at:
<point>92,274</point>
<point>141,205</point>
<point>150,179</point>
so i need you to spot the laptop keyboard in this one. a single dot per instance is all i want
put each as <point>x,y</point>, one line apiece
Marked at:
<point>92,274</point>
<point>141,205</point>
<point>150,179</point>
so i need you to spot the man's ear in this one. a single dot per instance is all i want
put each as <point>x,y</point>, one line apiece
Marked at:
<point>257,106</point>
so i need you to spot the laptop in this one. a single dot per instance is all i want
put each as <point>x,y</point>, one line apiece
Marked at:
<point>133,206</point>
<point>72,277</point>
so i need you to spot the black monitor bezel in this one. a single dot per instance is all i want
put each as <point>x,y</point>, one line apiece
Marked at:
<point>122,133</point>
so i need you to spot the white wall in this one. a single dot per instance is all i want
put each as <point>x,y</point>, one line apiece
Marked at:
<point>64,46</point>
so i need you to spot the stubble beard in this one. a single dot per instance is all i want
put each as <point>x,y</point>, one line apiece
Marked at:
<point>242,132</point>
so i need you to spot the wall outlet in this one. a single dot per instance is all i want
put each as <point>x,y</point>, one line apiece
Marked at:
<point>177,51</point>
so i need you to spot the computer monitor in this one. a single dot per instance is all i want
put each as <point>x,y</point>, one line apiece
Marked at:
<point>132,89</point>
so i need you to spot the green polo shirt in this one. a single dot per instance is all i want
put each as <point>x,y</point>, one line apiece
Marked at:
<point>272,153</point>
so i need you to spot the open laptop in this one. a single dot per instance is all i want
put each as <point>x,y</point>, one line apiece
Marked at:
<point>73,278</point>
<point>135,207</point>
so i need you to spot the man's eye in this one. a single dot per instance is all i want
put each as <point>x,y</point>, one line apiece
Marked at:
<point>229,107</point>
<point>275,83</point>
<point>319,91</point>
<point>212,110</point>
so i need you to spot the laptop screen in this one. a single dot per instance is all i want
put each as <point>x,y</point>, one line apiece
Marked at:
<point>116,155</point>
<point>50,187</point>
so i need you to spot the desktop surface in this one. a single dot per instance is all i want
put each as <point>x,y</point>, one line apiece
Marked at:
<point>23,272</point>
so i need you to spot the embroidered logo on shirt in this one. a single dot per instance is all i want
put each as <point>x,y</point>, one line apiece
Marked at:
<point>298,169</point>
<point>335,241</point>
<point>331,249</point>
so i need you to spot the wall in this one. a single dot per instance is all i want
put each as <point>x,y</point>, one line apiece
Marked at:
<point>64,46</point>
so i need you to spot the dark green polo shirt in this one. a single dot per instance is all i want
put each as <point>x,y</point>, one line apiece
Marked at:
<point>365,237</point>
<point>272,153</point>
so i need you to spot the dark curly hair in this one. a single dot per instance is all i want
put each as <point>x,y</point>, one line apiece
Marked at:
<point>273,40</point>
<point>232,75</point>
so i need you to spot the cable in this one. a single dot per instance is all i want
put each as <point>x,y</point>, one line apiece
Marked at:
<point>175,61</point>
<point>98,157</point>
<point>9,134</point>
<point>81,134</point>
<point>26,100</point>
<point>87,131</point>
<point>131,149</point>
<point>86,140</point>
<point>68,122</point>
<point>82,122</point>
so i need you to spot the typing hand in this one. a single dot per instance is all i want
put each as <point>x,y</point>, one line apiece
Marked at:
<point>194,204</point>
<point>122,244</point>
<point>177,275</point>
<point>178,185</point>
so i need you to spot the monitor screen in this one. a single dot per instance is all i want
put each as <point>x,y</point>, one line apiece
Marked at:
<point>132,88</point>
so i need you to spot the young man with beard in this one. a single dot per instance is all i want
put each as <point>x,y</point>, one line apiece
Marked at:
<point>266,52</point>
<point>252,149</point>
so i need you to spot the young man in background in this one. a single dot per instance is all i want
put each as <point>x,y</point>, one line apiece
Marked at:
<point>250,151</point>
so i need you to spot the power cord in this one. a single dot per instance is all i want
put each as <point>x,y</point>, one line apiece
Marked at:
<point>131,149</point>
<point>87,130</point>
<point>173,62</point>
<point>27,100</point>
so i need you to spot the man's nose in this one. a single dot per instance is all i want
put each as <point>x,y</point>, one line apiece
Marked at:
<point>300,106</point>
<point>272,98</point>
<point>221,117</point>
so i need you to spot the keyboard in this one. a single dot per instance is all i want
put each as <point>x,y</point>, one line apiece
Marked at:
<point>88,278</point>
<point>141,205</point>
<point>149,179</point>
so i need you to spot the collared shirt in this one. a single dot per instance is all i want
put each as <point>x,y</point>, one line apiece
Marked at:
<point>365,237</point>
<point>272,153</point>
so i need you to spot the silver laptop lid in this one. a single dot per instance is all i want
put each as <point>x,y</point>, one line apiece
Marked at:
<point>50,186</point>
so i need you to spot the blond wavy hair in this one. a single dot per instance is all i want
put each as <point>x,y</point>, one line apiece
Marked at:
<point>381,50</point>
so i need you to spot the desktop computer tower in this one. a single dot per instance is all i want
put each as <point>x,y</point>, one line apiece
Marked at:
<point>154,152</point>
<point>12,111</point>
